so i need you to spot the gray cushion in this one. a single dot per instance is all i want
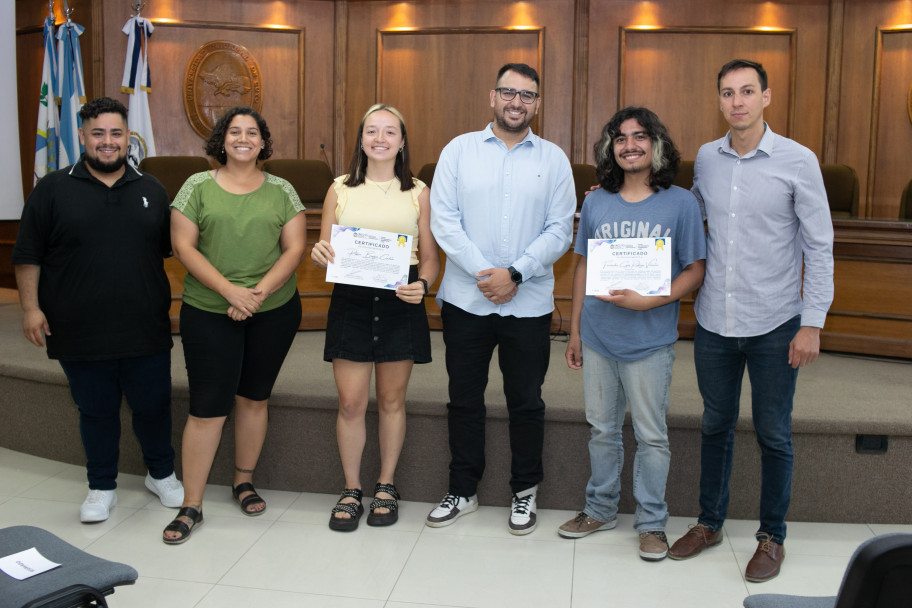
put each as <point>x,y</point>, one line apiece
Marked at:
<point>76,567</point>
<point>775,600</point>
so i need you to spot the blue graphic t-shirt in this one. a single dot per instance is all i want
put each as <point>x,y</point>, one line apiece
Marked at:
<point>620,333</point>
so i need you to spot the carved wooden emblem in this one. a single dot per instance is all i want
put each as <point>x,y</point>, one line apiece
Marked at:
<point>219,76</point>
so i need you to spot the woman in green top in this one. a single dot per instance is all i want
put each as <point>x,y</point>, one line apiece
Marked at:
<point>241,234</point>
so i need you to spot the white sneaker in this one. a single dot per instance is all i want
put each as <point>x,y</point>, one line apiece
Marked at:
<point>450,509</point>
<point>169,490</point>
<point>97,505</point>
<point>522,513</point>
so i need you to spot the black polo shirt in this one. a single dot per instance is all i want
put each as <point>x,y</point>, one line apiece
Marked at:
<point>102,286</point>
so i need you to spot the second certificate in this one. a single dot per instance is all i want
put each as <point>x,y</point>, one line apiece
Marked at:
<point>641,264</point>
<point>369,258</point>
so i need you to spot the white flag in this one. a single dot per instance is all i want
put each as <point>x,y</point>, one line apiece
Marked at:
<point>48,118</point>
<point>137,84</point>
<point>72,91</point>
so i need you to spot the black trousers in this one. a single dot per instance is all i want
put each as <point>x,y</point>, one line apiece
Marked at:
<point>524,352</point>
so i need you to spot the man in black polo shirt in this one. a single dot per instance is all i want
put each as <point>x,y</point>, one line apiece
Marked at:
<point>92,286</point>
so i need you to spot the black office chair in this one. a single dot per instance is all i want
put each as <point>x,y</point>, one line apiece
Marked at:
<point>173,171</point>
<point>879,575</point>
<point>905,203</point>
<point>426,173</point>
<point>583,178</point>
<point>311,179</point>
<point>81,580</point>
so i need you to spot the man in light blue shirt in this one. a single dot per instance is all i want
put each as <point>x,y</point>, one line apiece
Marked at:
<point>502,207</point>
<point>768,286</point>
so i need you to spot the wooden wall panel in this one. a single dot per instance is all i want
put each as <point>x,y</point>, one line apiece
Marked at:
<point>417,74</point>
<point>298,80</point>
<point>702,47</point>
<point>469,75</point>
<point>279,56</point>
<point>891,129</point>
<point>657,66</point>
<point>864,22</point>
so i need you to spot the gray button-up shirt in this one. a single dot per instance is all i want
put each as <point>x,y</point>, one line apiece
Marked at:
<point>766,213</point>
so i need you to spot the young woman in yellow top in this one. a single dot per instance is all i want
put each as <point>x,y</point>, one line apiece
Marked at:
<point>376,329</point>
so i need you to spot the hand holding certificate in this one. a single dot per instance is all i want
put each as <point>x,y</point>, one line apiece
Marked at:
<point>640,264</point>
<point>369,258</point>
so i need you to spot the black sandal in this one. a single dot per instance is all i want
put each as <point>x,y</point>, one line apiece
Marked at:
<point>354,509</point>
<point>384,519</point>
<point>181,526</point>
<point>252,499</point>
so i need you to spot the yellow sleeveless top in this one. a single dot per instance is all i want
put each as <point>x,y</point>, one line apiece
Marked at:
<point>380,206</point>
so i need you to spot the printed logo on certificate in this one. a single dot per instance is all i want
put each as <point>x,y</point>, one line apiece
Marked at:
<point>369,258</point>
<point>643,265</point>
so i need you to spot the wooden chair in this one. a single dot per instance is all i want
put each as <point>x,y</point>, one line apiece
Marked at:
<point>583,179</point>
<point>905,203</point>
<point>685,177</point>
<point>426,173</point>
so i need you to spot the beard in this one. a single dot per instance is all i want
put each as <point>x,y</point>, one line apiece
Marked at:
<point>105,167</point>
<point>502,123</point>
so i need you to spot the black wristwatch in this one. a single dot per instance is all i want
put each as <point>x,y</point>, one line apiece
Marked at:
<point>424,282</point>
<point>515,275</point>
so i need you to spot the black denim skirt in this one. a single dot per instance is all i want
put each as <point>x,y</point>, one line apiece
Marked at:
<point>367,324</point>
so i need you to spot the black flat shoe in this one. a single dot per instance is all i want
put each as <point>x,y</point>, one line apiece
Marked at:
<point>354,509</point>
<point>181,526</point>
<point>384,519</point>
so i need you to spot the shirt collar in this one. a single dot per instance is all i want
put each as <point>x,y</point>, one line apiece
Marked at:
<point>82,172</point>
<point>488,134</point>
<point>765,145</point>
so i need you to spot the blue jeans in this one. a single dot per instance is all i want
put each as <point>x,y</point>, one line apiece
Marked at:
<point>720,363</point>
<point>98,388</point>
<point>607,386</point>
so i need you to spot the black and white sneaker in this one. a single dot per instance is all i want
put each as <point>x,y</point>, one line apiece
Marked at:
<point>450,509</point>
<point>522,513</point>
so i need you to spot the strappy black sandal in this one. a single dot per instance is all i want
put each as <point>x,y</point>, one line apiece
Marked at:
<point>384,519</point>
<point>250,499</point>
<point>354,509</point>
<point>181,526</point>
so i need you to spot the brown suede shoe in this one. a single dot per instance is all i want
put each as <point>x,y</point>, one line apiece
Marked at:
<point>766,561</point>
<point>691,544</point>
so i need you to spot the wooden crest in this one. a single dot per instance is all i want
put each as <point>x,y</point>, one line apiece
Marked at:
<point>219,76</point>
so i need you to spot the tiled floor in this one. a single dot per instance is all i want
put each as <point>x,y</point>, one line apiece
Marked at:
<point>289,558</point>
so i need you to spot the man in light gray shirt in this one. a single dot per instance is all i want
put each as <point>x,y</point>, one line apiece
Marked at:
<point>767,218</point>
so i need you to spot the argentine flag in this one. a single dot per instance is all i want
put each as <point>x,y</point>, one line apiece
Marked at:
<point>48,119</point>
<point>137,84</point>
<point>72,91</point>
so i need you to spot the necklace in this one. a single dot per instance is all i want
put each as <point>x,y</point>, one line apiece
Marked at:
<point>382,189</point>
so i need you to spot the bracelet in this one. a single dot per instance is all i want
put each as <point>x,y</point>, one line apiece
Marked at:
<point>424,282</point>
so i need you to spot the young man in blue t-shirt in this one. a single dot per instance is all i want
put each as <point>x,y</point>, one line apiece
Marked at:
<point>627,339</point>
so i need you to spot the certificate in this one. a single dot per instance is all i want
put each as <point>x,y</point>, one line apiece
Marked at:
<point>643,265</point>
<point>369,258</point>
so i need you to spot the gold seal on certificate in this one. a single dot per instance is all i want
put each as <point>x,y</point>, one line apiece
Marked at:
<point>642,264</point>
<point>369,258</point>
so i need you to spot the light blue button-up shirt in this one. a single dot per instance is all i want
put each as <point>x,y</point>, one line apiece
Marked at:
<point>493,207</point>
<point>766,213</point>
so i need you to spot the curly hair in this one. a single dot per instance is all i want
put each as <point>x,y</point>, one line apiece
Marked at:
<point>665,156</point>
<point>215,146</point>
<point>102,105</point>
<point>357,168</point>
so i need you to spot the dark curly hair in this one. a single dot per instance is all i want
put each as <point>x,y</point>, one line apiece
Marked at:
<point>102,105</point>
<point>215,147</point>
<point>357,168</point>
<point>665,156</point>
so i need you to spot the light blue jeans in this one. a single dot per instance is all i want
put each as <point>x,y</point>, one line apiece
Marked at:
<point>607,386</point>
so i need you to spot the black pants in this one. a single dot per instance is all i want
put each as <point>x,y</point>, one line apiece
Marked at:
<point>524,352</point>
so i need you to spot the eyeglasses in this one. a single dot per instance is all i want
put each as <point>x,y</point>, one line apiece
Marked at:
<point>510,94</point>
